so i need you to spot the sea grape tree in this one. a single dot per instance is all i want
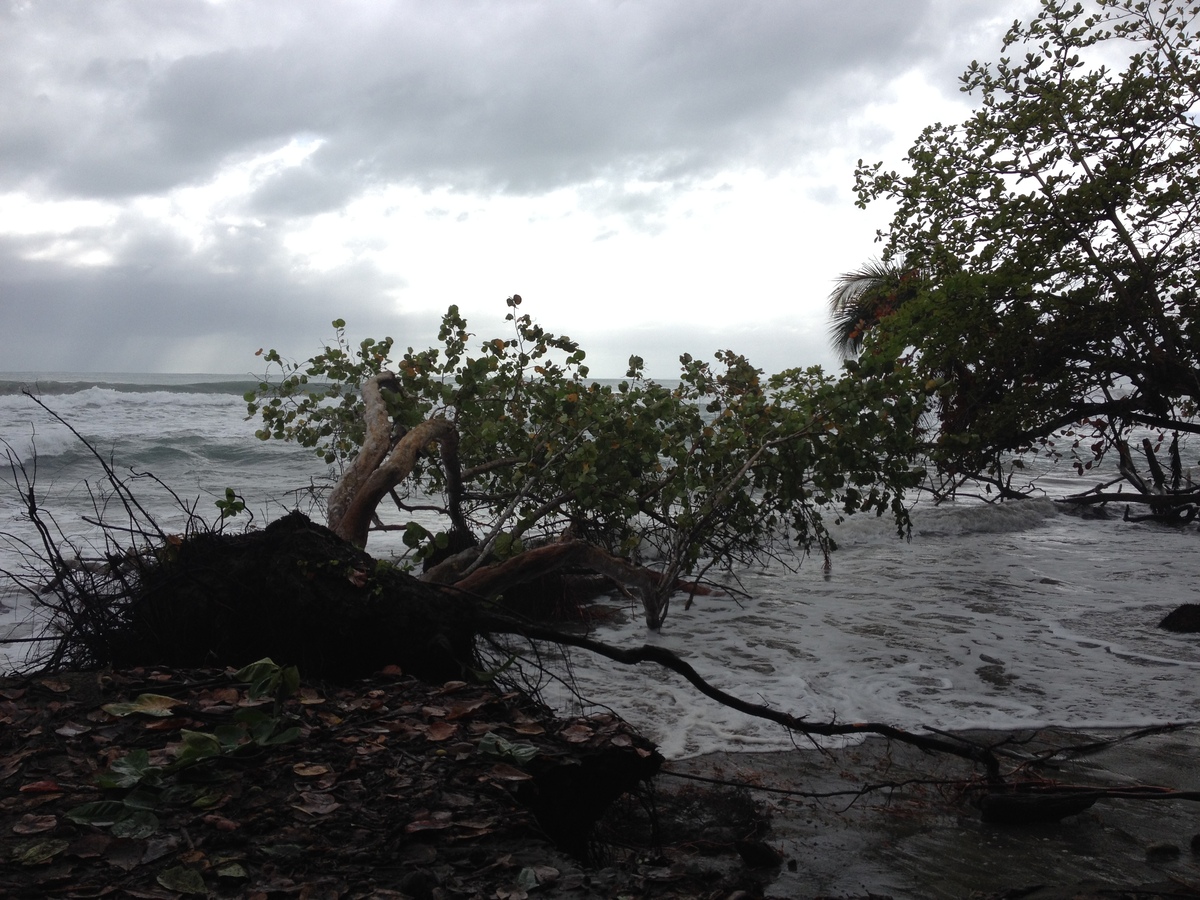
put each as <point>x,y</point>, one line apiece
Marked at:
<point>529,465</point>
<point>1042,267</point>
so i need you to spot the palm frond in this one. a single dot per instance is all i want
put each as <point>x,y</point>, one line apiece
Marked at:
<point>862,298</point>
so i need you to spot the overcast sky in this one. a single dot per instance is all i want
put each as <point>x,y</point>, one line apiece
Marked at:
<point>183,182</point>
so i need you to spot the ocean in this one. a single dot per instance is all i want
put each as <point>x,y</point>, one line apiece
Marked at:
<point>1005,616</point>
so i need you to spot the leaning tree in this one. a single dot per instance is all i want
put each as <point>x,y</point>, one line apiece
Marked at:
<point>1055,233</point>
<point>501,461</point>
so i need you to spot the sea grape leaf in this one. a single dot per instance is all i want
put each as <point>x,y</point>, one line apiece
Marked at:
<point>141,823</point>
<point>441,731</point>
<point>310,770</point>
<point>505,772</point>
<point>41,852</point>
<point>140,798</point>
<point>129,770</point>
<point>268,679</point>
<point>197,745</point>
<point>491,744</point>
<point>183,880</point>
<point>282,737</point>
<point>576,734</point>
<point>34,824</point>
<point>99,813</point>
<point>145,704</point>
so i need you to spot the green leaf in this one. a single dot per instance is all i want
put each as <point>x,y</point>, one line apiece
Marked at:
<point>268,679</point>
<point>129,770</point>
<point>183,880</point>
<point>100,813</point>
<point>197,745</point>
<point>492,744</point>
<point>138,824</point>
<point>142,798</point>
<point>40,853</point>
<point>145,704</point>
<point>282,737</point>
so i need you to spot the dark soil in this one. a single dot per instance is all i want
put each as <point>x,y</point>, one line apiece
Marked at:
<point>390,788</point>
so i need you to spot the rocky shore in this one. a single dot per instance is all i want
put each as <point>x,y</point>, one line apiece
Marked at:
<point>162,783</point>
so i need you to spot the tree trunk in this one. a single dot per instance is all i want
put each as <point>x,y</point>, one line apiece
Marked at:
<point>379,466</point>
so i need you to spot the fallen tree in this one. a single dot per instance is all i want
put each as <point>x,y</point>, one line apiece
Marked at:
<point>299,593</point>
<point>296,592</point>
<point>509,463</point>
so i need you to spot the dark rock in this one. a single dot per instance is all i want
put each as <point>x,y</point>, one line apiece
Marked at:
<point>1185,619</point>
<point>1031,808</point>
<point>758,854</point>
<point>1162,852</point>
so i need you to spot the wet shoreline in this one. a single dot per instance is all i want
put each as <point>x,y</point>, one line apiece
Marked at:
<point>924,837</point>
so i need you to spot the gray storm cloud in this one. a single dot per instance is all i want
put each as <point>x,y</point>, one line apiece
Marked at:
<point>128,101</point>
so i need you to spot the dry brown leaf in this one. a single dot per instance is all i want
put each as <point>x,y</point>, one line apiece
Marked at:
<point>310,770</point>
<point>316,804</point>
<point>441,731</point>
<point>40,787</point>
<point>164,725</point>
<point>430,821</point>
<point>31,824</point>
<point>483,826</point>
<point>576,734</point>
<point>458,710</point>
<point>91,846</point>
<point>220,822</point>
<point>505,772</point>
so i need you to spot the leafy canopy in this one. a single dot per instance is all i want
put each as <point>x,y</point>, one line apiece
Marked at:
<point>1055,236</point>
<point>719,468</point>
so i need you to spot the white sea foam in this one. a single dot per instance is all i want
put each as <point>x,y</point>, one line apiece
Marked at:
<point>975,623</point>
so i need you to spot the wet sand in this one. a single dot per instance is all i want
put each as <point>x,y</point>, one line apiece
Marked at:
<point>925,840</point>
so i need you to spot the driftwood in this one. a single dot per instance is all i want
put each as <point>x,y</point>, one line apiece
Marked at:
<point>1171,498</point>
